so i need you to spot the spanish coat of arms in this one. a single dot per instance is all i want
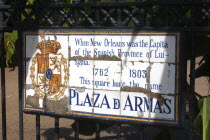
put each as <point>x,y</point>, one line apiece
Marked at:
<point>49,71</point>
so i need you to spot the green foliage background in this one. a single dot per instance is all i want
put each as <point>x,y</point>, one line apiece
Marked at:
<point>10,39</point>
<point>202,121</point>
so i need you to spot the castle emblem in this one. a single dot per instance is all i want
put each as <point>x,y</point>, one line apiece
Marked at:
<point>49,71</point>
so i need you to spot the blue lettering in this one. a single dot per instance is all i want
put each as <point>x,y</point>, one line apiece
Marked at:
<point>95,43</point>
<point>157,107</point>
<point>81,62</point>
<point>73,94</point>
<point>146,105</point>
<point>105,102</point>
<point>80,42</point>
<point>116,104</point>
<point>87,100</point>
<point>137,104</point>
<point>169,109</point>
<point>96,99</point>
<point>128,104</point>
<point>132,44</point>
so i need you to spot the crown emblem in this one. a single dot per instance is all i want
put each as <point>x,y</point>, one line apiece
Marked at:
<point>49,46</point>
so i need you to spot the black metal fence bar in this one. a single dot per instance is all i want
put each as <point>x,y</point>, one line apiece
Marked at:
<point>192,73</point>
<point>192,81</point>
<point>141,132</point>
<point>20,83</point>
<point>118,131</point>
<point>76,130</point>
<point>37,127</point>
<point>3,88</point>
<point>3,98</point>
<point>56,128</point>
<point>97,131</point>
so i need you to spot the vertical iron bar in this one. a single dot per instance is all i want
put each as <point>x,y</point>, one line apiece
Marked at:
<point>97,14</point>
<point>192,71</point>
<point>141,132</point>
<point>55,15</point>
<point>192,81</point>
<point>76,130</point>
<point>119,15</point>
<point>76,14</point>
<point>119,131</point>
<point>20,70</point>
<point>37,127</point>
<point>56,128</point>
<point>20,83</point>
<point>167,16</point>
<point>3,88</point>
<point>37,8</point>
<point>142,17</point>
<point>97,131</point>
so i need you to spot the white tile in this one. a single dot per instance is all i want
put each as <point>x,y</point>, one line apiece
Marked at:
<point>137,105</point>
<point>136,48</point>
<point>41,79</point>
<point>133,104</point>
<point>29,71</point>
<point>31,42</point>
<point>81,75</point>
<point>32,74</point>
<point>63,40</point>
<point>55,64</point>
<point>165,111</point>
<point>106,102</point>
<point>108,45</point>
<point>80,100</point>
<point>162,78</point>
<point>54,56</point>
<point>30,92</point>
<point>81,45</point>
<point>134,74</point>
<point>107,75</point>
<point>59,68</point>
<point>163,48</point>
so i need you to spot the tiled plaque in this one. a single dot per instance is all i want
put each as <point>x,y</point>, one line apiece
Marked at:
<point>112,75</point>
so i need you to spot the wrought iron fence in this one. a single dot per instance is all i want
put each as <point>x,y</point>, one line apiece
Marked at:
<point>189,16</point>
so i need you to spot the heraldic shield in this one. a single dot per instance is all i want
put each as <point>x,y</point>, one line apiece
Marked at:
<point>49,71</point>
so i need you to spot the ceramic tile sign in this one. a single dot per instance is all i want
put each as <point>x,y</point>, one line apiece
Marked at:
<point>112,75</point>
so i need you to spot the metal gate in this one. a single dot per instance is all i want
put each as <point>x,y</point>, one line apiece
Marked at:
<point>187,16</point>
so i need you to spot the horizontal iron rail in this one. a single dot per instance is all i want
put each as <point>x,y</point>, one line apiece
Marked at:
<point>115,4</point>
<point>148,28</point>
<point>186,24</point>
